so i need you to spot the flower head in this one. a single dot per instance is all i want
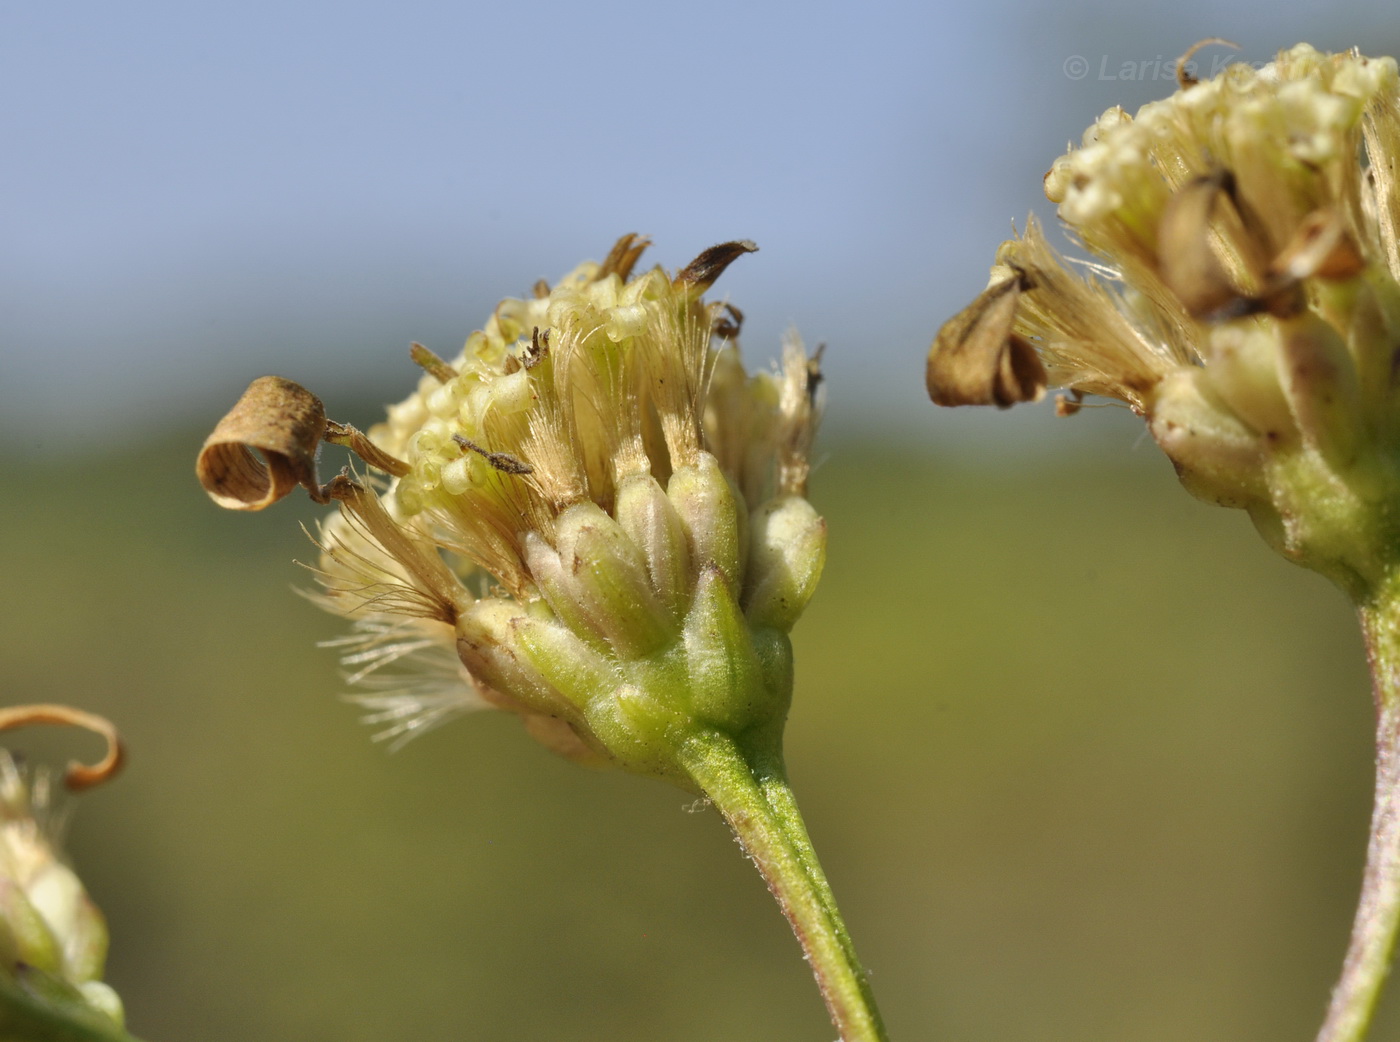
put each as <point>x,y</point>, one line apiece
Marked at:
<point>1243,298</point>
<point>593,517</point>
<point>53,939</point>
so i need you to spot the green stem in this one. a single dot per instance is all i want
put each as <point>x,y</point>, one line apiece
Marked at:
<point>1378,914</point>
<point>777,790</point>
<point>756,801</point>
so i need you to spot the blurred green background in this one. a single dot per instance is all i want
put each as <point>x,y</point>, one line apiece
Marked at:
<point>1083,760</point>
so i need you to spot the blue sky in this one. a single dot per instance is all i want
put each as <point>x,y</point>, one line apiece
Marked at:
<point>192,195</point>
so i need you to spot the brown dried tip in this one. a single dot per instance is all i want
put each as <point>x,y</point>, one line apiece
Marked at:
<point>431,364</point>
<point>728,324</point>
<point>78,776</point>
<point>704,269</point>
<point>282,421</point>
<point>502,461</point>
<point>1069,404</point>
<point>978,358</point>
<point>623,257</point>
<point>351,438</point>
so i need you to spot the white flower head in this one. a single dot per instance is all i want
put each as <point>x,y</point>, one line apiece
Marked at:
<point>1243,298</point>
<point>570,505</point>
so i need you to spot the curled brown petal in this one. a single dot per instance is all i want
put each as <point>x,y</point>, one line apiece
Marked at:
<point>704,269</point>
<point>280,420</point>
<point>79,776</point>
<point>978,358</point>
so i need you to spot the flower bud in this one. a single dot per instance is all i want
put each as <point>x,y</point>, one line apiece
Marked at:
<point>1242,375</point>
<point>1320,381</point>
<point>487,646</point>
<point>724,671</point>
<point>577,671</point>
<point>787,550</point>
<point>597,578</point>
<point>705,502</point>
<point>647,515</point>
<point>1216,456</point>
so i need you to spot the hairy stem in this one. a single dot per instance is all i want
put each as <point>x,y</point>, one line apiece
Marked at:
<point>777,790</point>
<point>753,795</point>
<point>1378,914</point>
